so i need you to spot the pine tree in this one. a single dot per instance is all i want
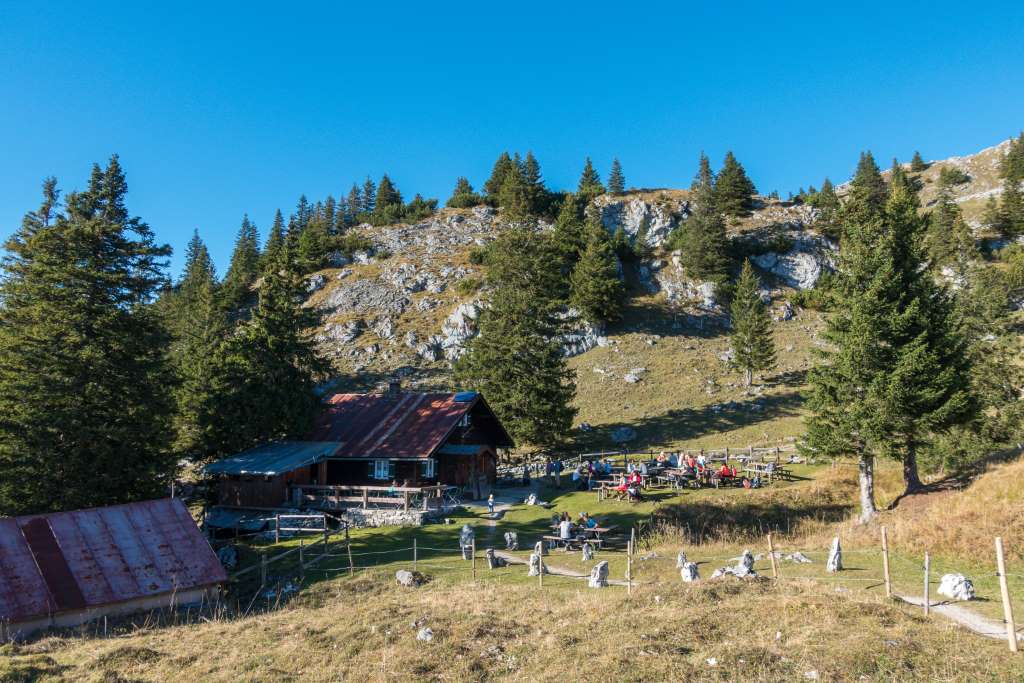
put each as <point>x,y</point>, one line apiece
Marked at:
<point>493,186</point>
<point>84,379</point>
<point>197,325</point>
<point>616,179</point>
<point>236,289</point>
<point>949,240</point>
<point>590,182</point>
<point>369,197</point>
<point>275,242</point>
<point>516,360</point>
<point>329,215</point>
<point>1012,166</point>
<point>702,239</point>
<point>826,201</point>
<point>596,290</point>
<point>313,246</point>
<point>568,235</point>
<point>1011,210</point>
<point>917,164</point>
<point>389,203</point>
<point>265,374</point>
<point>705,176</point>
<point>990,217</point>
<point>514,197</point>
<point>355,205</point>
<point>751,337</point>
<point>868,192</point>
<point>733,189</point>
<point>419,208</point>
<point>463,197</point>
<point>536,192</point>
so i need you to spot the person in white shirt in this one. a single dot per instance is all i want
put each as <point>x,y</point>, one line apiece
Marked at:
<point>565,529</point>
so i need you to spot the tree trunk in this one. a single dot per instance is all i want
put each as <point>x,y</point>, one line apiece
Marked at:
<point>867,487</point>
<point>910,475</point>
<point>749,376</point>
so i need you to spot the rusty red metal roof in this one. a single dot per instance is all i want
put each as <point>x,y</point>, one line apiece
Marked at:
<point>88,558</point>
<point>393,425</point>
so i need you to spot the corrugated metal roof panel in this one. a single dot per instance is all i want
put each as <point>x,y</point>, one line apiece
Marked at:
<point>406,425</point>
<point>88,558</point>
<point>274,458</point>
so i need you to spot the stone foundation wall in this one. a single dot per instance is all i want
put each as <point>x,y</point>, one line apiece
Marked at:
<point>360,518</point>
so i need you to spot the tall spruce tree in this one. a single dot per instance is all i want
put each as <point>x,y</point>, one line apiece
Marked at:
<point>275,242</point>
<point>590,182</point>
<point>1011,210</point>
<point>514,196</point>
<point>236,290</point>
<point>595,288</point>
<point>949,240</point>
<point>494,184</point>
<point>369,197</point>
<point>389,202</point>
<point>516,360</point>
<point>733,189</point>
<point>616,179</point>
<point>463,196</point>
<point>354,205</point>
<point>84,401</point>
<point>702,239</point>
<point>265,373</point>
<point>536,192</point>
<point>868,192</point>
<point>705,177</point>
<point>197,324</point>
<point>751,336</point>
<point>917,164</point>
<point>826,201</point>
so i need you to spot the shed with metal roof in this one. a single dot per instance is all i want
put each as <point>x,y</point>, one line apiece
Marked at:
<point>68,568</point>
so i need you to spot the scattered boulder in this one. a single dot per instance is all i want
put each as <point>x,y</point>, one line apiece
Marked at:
<point>635,375</point>
<point>835,557</point>
<point>534,566</point>
<point>385,329</point>
<point>466,539</point>
<point>680,559</point>
<point>599,575</point>
<point>689,572</point>
<point>957,587</point>
<point>459,328</point>
<point>540,548</point>
<point>511,540</point>
<point>493,561</point>
<point>315,283</point>
<point>639,219</point>
<point>425,634</point>
<point>587,552</point>
<point>744,567</point>
<point>409,579</point>
<point>802,266</point>
<point>798,558</point>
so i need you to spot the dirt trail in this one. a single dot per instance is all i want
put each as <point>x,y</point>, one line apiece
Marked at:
<point>556,571</point>
<point>966,617</point>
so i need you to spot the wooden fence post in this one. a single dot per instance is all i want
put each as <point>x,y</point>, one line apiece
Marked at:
<point>414,553</point>
<point>351,565</point>
<point>263,570</point>
<point>540,575</point>
<point>885,563</point>
<point>325,533</point>
<point>629,574</point>
<point>302,560</point>
<point>771,554</point>
<point>1011,626</point>
<point>472,550</point>
<point>927,600</point>
<point>632,540</point>
<point>277,528</point>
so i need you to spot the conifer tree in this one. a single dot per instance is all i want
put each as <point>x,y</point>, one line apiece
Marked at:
<point>1011,210</point>
<point>514,197</point>
<point>590,182</point>
<point>313,246</point>
<point>949,241</point>
<point>705,177</point>
<point>369,197</point>
<point>328,215</point>
<point>751,337</point>
<point>536,192</point>
<point>197,325</point>
<point>616,179</point>
<point>236,289</point>
<point>516,360</point>
<point>868,192</point>
<point>595,288</point>
<point>275,242</point>
<point>355,205</point>
<point>265,374</point>
<point>733,189</point>
<point>990,217</point>
<point>463,197</point>
<point>389,203</point>
<point>568,235</point>
<point>493,186</point>
<point>826,201</point>
<point>702,239</point>
<point>84,401</point>
<point>1012,166</point>
<point>917,164</point>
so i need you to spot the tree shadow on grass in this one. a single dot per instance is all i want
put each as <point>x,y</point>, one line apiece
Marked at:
<point>691,423</point>
<point>666,320</point>
<point>705,521</point>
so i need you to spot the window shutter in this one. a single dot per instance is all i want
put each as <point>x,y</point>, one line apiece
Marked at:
<point>391,469</point>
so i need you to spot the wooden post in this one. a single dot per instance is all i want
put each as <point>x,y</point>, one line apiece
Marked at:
<point>629,574</point>
<point>277,528</point>
<point>1011,626</point>
<point>405,501</point>
<point>302,560</point>
<point>366,498</point>
<point>771,554</point>
<point>263,569</point>
<point>325,533</point>
<point>351,564</point>
<point>885,564</point>
<point>415,553</point>
<point>472,550</point>
<point>632,540</point>
<point>540,574</point>
<point>927,600</point>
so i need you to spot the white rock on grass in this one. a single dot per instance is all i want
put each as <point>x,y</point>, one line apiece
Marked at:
<point>689,572</point>
<point>425,634</point>
<point>599,575</point>
<point>957,587</point>
<point>835,557</point>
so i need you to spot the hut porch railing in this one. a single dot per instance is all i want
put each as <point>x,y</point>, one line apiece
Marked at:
<point>334,497</point>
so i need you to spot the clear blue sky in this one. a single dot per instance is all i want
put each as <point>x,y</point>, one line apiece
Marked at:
<point>224,108</point>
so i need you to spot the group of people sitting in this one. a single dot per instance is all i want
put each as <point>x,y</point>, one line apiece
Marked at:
<point>630,485</point>
<point>566,526</point>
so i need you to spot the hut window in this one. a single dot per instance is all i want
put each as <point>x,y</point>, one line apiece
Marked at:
<point>429,468</point>
<point>382,469</point>
<point>464,422</point>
